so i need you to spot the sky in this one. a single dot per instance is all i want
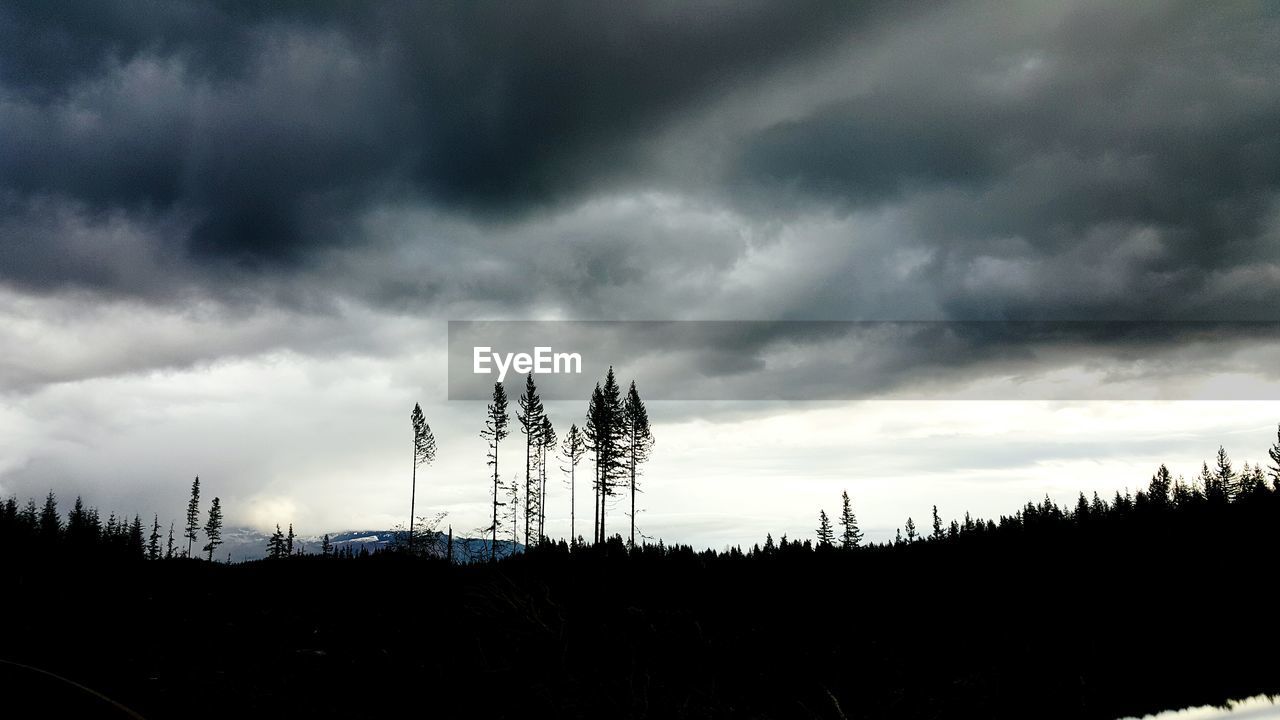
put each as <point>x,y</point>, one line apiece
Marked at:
<point>232,237</point>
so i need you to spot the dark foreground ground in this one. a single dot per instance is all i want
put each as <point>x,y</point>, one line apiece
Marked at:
<point>1126,617</point>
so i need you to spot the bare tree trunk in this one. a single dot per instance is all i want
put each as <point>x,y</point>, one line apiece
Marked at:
<point>542,503</point>
<point>573,531</point>
<point>528,485</point>
<point>633,497</point>
<point>413,494</point>
<point>493,545</point>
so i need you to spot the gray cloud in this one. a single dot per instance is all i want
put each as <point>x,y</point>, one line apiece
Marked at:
<point>323,171</point>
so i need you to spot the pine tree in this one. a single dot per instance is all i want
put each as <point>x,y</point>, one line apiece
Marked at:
<point>826,537</point>
<point>168,553</point>
<point>594,441</point>
<point>153,542</point>
<point>605,432</point>
<point>213,528</point>
<point>546,439</point>
<point>275,546</point>
<point>1158,489</point>
<point>326,546</point>
<point>850,535</point>
<point>911,531</point>
<point>1274,469</point>
<point>529,414</point>
<point>135,545</point>
<point>573,449</point>
<point>495,429</point>
<point>424,452</point>
<point>193,514</point>
<point>288,541</point>
<point>1226,478</point>
<point>937,525</point>
<point>50,521</point>
<point>639,443</point>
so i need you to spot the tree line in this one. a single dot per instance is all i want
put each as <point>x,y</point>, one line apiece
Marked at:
<point>85,533</point>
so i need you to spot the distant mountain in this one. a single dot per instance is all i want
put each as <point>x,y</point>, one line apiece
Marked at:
<point>248,544</point>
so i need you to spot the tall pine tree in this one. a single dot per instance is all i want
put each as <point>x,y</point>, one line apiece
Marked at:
<point>826,537</point>
<point>495,429</point>
<point>193,514</point>
<point>213,527</point>
<point>572,449</point>
<point>424,451</point>
<point>850,535</point>
<point>529,414</point>
<point>639,443</point>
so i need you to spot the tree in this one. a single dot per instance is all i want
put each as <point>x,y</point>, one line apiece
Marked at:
<point>573,449</point>
<point>80,535</point>
<point>495,429</point>
<point>50,521</point>
<point>639,443</point>
<point>153,542</point>
<point>530,414</point>
<point>135,544</point>
<point>1274,468</point>
<point>826,538</point>
<point>546,439</point>
<point>605,433</point>
<point>326,546</point>
<point>288,541</point>
<point>168,553</point>
<point>1158,489</point>
<point>213,527</point>
<point>1226,477</point>
<point>193,514</point>
<point>937,524</point>
<point>275,546</point>
<point>424,451</point>
<point>911,531</point>
<point>850,536</point>
<point>592,438</point>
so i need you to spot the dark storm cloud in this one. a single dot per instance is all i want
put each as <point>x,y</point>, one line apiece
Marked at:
<point>267,128</point>
<point>1051,144</point>
<point>946,161</point>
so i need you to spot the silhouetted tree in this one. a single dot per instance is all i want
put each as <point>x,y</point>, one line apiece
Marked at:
<point>153,542</point>
<point>168,553</point>
<point>495,429</point>
<point>50,521</point>
<point>911,530</point>
<point>850,535</point>
<point>275,546</point>
<point>326,546</point>
<point>1226,477</point>
<point>546,439</point>
<point>826,537</point>
<point>529,414</point>
<point>1158,489</point>
<point>593,440</point>
<point>605,432</point>
<point>1274,453</point>
<point>193,514</point>
<point>424,451</point>
<point>639,443</point>
<point>937,525</point>
<point>136,547</point>
<point>572,449</point>
<point>288,541</point>
<point>213,527</point>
